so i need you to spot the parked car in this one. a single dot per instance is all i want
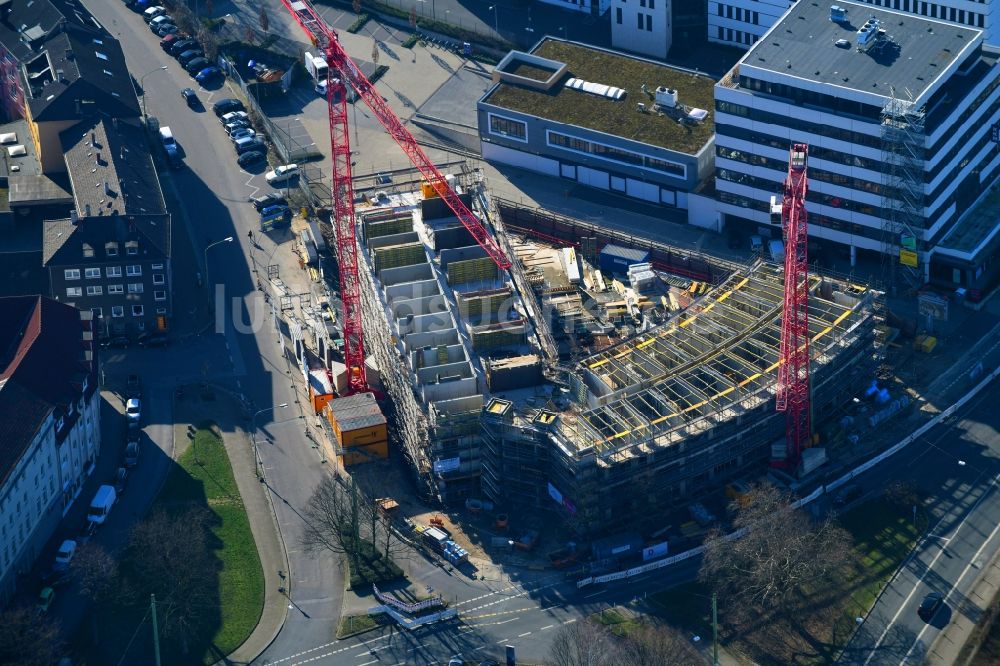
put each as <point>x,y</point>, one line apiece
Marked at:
<point>131,454</point>
<point>164,29</point>
<point>162,19</point>
<point>133,410</point>
<point>189,55</point>
<point>282,173</point>
<point>207,74</point>
<point>277,209</point>
<point>134,386</point>
<point>45,599</point>
<point>178,47</point>
<point>227,105</point>
<point>253,158</point>
<point>242,133</point>
<point>233,116</point>
<point>265,200</point>
<point>191,98</point>
<point>65,555</point>
<point>116,342</point>
<point>930,606</point>
<point>256,144</point>
<point>153,340</point>
<point>169,40</point>
<point>235,124</point>
<point>195,65</point>
<point>134,432</point>
<point>121,480</point>
<point>153,12</point>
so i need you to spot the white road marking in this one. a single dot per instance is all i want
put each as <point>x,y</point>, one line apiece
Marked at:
<point>416,648</point>
<point>502,641</point>
<point>548,626</point>
<point>595,594</point>
<point>930,567</point>
<point>570,621</point>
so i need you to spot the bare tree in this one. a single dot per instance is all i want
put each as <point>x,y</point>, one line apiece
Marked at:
<point>332,518</point>
<point>584,644</point>
<point>781,553</point>
<point>902,494</point>
<point>169,556</point>
<point>100,580</point>
<point>28,639</point>
<point>659,645</point>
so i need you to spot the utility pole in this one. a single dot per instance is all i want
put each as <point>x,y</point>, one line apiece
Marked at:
<point>156,631</point>
<point>715,629</point>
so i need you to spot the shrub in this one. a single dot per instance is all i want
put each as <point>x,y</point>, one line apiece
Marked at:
<point>358,23</point>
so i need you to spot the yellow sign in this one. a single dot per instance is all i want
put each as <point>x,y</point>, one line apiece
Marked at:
<point>908,258</point>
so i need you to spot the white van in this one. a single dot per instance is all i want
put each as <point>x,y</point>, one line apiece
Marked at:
<point>167,137</point>
<point>153,12</point>
<point>100,506</point>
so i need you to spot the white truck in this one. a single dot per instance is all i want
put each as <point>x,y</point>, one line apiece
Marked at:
<point>101,505</point>
<point>318,70</point>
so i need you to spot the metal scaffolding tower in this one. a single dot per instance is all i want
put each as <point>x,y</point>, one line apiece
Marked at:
<point>903,143</point>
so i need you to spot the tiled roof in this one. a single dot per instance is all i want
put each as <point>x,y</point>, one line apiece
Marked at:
<point>111,170</point>
<point>80,71</point>
<point>62,240</point>
<point>41,361</point>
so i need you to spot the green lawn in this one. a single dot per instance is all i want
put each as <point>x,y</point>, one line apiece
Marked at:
<point>883,537</point>
<point>204,477</point>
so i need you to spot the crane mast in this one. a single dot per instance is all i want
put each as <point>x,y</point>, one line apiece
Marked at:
<point>793,371</point>
<point>344,71</point>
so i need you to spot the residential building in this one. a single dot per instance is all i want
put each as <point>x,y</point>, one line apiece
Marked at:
<point>742,22</point>
<point>112,255</point>
<point>49,424</point>
<point>601,119</point>
<point>642,26</point>
<point>897,113</point>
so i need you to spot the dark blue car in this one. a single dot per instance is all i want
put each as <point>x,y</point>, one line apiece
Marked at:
<point>208,74</point>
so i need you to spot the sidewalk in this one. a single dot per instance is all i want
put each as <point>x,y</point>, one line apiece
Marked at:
<point>948,646</point>
<point>224,411</point>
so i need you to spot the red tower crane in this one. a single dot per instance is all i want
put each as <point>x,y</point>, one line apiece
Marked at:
<point>793,370</point>
<point>342,218</point>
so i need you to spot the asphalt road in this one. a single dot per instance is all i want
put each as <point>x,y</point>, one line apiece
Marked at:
<point>957,466</point>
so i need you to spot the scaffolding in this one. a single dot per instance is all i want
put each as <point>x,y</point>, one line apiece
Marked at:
<point>903,221</point>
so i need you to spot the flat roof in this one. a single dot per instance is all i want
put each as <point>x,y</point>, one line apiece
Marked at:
<point>914,52</point>
<point>976,227</point>
<point>618,118</point>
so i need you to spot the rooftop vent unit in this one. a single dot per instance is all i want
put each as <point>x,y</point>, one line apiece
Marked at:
<point>868,34</point>
<point>838,14</point>
<point>666,97</point>
<point>598,89</point>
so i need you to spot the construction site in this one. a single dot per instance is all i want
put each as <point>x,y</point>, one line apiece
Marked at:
<point>593,394</point>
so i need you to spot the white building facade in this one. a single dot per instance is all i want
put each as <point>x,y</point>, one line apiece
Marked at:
<point>742,22</point>
<point>585,6</point>
<point>52,448</point>
<point>642,26</point>
<point>807,81</point>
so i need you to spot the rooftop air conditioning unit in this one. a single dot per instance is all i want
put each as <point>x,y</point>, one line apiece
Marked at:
<point>666,97</point>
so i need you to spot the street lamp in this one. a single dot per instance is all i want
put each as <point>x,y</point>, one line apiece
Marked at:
<point>496,18</point>
<point>253,438</point>
<point>227,239</point>
<point>141,85</point>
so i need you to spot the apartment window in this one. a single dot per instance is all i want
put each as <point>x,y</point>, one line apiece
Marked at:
<point>135,287</point>
<point>652,4</point>
<point>113,271</point>
<point>111,249</point>
<point>618,15</point>
<point>71,274</point>
<point>98,313</point>
<point>132,248</point>
<point>116,289</point>
<point>73,292</point>
<point>117,311</point>
<point>722,32</point>
<point>133,270</point>
<point>88,250</point>
<point>158,278</point>
<point>160,295</point>
<point>157,267</point>
<point>639,20</point>
<point>719,9</point>
<point>755,16</point>
<point>642,3</point>
<point>161,311</point>
<point>136,310</point>
<point>729,11</point>
<point>92,273</point>
<point>508,127</point>
<point>649,22</point>
<point>95,290</point>
<point>961,16</point>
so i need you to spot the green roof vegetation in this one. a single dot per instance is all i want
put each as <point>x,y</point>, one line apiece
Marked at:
<point>617,118</point>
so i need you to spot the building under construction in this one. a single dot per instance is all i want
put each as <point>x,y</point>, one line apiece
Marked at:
<point>651,420</point>
<point>674,412</point>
